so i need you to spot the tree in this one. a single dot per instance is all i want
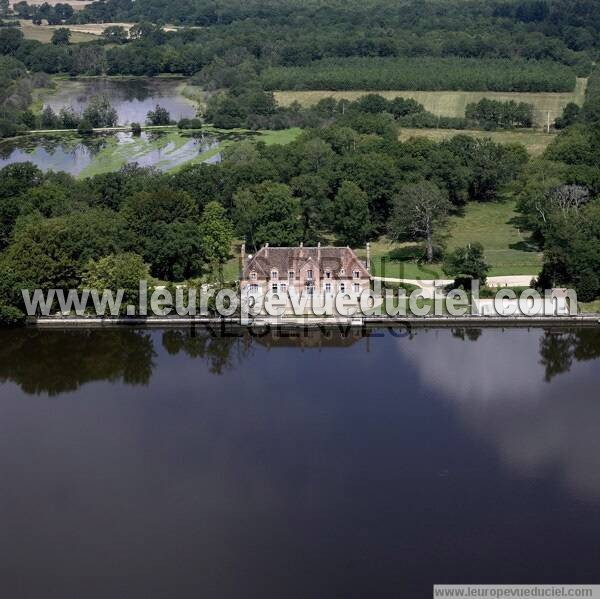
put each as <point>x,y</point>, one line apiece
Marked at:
<point>10,316</point>
<point>351,219</point>
<point>569,116</point>
<point>467,264</point>
<point>61,36</point>
<point>267,213</point>
<point>49,119</point>
<point>85,127</point>
<point>176,250</point>
<point>420,209</point>
<point>10,40</point>
<point>217,235</point>
<point>118,271</point>
<point>115,34</point>
<point>51,253</point>
<point>100,113</point>
<point>312,192</point>
<point>158,116</point>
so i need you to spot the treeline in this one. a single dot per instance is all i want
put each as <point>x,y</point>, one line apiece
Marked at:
<point>559,196</point>
<point>467,74</point>
<point>257,109</point>
<point>492,114</point>
<point>501,28</point>
<point>56,14</point>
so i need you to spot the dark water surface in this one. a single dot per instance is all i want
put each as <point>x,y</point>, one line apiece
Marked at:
<point>132,98</point>
<point>150,463</point>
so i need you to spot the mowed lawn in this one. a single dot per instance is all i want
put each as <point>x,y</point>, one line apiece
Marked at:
<point>453,103</point>
<point>534,140</point>
<point>507,249</point>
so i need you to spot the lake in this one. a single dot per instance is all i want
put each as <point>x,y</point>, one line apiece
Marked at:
<point>188,463</point>
<point>132,98</point>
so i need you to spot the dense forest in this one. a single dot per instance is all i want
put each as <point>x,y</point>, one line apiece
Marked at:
<point>257,36</point>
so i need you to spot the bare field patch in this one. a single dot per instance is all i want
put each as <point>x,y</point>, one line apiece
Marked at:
<point>535,141</point>
<point>452,103</point>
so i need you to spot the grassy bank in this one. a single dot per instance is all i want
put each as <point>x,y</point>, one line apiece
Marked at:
<point>507,249</point>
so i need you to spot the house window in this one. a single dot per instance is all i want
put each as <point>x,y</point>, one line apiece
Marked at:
<point>309,287</point>
<point>327,287</point>
<point>356,288</point>
<point>342,271</point>
<point>283,287</point>
<point>328,274</point>
<point>274,274</point>
<point>309,275</point>
<point>253,276</point>
<point>342,287</point>
<point>357,274</point>
<point>274,288</point>
<point>253,289</point>
<point>290,274</point>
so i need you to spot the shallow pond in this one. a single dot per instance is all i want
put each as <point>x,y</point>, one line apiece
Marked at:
<point>282,465</point>
<point>86,156</point>
<point>132,98</point>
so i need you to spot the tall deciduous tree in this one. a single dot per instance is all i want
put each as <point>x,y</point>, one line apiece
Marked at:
<point>351,219</point>
<point>267,213</point>
<point>217,234</point>
<point>420,210</point>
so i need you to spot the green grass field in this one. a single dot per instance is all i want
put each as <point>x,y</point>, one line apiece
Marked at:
<point>43,33</point>
<point>452,103</point>
<point>534,140</point>
<point>507,249</point>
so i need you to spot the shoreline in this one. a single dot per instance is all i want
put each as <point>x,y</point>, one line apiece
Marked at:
<point>300,323</point>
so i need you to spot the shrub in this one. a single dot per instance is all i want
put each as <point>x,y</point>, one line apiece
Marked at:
<point>85,127</point>
<point>11,316</point>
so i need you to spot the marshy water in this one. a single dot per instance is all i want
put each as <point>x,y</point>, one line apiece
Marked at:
<point>132,99</point>
<point>148,463</point>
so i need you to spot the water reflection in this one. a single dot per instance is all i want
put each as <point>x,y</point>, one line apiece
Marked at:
<point>55,362</point>
<point>132,98</point>
<point>100,153</point>
<point>536,421</point>
<point>559,349</point>
<point>331,465</point>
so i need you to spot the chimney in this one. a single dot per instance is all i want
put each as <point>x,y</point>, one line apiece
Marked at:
<point>368,257</point>
<point>266,250</point>
<point>301,255</point>
<point>319,252</point>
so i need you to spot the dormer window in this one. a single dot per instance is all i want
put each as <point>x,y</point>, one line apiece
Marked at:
<point>357,274</point>
<point>291,275</point>
<point>274,275</point>
<point>309,275</point>
<point>253,276</point>
<point>328,274</point>
<point>342,272</point>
